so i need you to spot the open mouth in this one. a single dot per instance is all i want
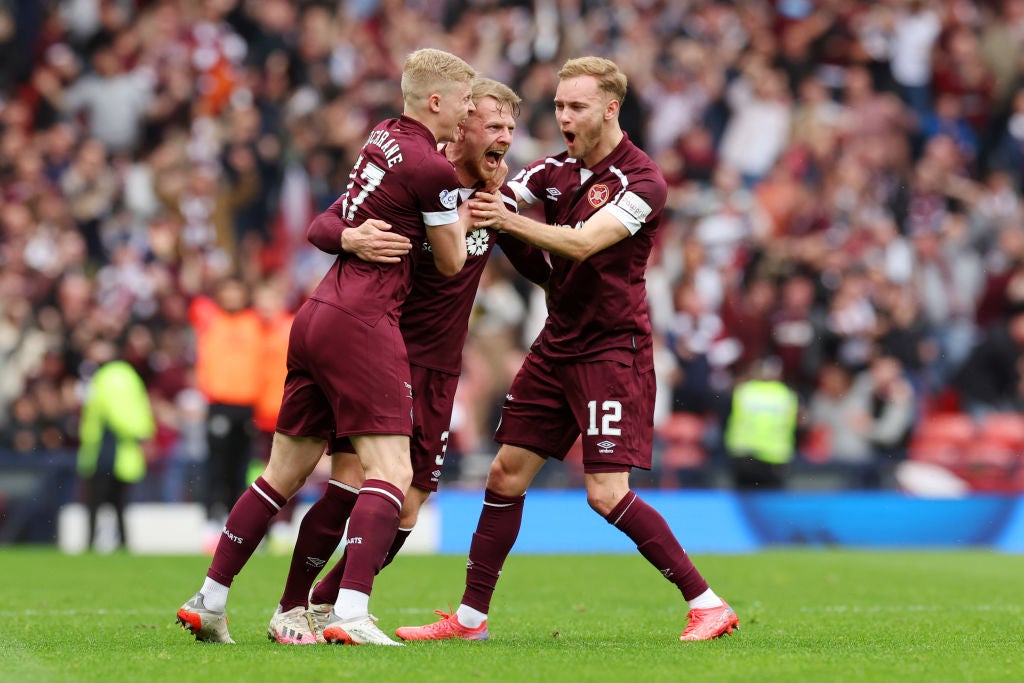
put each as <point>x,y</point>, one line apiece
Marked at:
<point>493,157</point>
<point>570,137</point>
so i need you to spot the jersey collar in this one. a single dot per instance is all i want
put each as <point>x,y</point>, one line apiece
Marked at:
<point>413,124</point>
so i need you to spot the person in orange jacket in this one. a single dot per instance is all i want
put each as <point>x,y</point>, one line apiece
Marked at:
<point>229,355</point>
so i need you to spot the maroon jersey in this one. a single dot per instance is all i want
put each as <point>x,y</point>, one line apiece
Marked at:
<point>401,178</point>
<point>597,309</point>
<point>435,316</point>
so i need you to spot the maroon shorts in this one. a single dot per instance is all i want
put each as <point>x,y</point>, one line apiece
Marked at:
<point>610,403</point>
<point>345,377</point>
<point>433,400</point>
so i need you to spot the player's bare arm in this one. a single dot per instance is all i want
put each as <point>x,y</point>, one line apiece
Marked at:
<point>448,244</point>
<point>600,231</point>
<point>373,241</point>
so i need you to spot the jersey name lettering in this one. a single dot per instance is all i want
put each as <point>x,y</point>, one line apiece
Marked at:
<point>383,140</point>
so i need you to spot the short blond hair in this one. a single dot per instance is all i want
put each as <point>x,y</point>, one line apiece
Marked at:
<point>505,96</point>
<point>428,71</point>
<point>609,77</point>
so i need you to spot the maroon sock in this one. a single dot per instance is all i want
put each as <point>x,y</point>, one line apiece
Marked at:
<point>656,542</point>
<point>326,590</point>
<point>371,530</point>
<point>320,532</point>
<point>496,533</point>
<point>246,526</point>
<point>400,536</point>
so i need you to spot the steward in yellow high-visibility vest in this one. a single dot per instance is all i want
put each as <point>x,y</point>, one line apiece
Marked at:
<point>116,418</point>
<point>760,434</point>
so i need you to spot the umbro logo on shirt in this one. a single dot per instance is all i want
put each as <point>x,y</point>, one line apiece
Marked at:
<point>553,193</point>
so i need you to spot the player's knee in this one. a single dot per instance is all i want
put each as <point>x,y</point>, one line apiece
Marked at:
<point>393,471</point>
<point>600,502</point>
<point>285,480</point>
<point>414,499</point>
<point>407,519</point>
<point>502,480</point>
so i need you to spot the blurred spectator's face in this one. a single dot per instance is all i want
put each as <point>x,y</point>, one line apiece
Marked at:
<point>762,295</point>
<point>92,159</point>
<point>16,114</point>
<point>693,254</point>
<point>1011,241</point>
<point>277,16</point>
<point>1016,327</point>
<point>105,62</point>
<point>834,381</point>
<point>688,300</point>
<point>59,141</point>
<point>947,106</point>
<point>15,219</point>
<point>73,295</point>
<point>232,296</point>
<point>487,135</point>
<point>884,371</point>
<point>268,300</point>
<point>798,293</point>
<point>140,341</point>
<point>25,410</point>
<point>29,166</point>
<point>858,82</point>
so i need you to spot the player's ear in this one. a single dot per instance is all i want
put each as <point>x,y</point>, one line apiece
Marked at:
<point>434,102</point>
<point>611,109</point>
<point>460,132</point>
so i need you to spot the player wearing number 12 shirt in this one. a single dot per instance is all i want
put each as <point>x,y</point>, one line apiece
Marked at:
<point>348,370</point>
<point>590,372</point>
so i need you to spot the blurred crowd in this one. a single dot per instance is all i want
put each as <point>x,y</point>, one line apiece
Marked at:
<point>844,197</point>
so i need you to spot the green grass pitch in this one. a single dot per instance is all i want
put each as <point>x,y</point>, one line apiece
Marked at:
<point>806,615</point>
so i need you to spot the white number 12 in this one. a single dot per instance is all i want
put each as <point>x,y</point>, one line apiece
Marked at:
<point>612,414</point>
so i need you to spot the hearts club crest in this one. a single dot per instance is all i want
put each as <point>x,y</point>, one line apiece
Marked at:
<point>597,195</point>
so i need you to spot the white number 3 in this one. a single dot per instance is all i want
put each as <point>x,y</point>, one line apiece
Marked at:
<point>612,414</point>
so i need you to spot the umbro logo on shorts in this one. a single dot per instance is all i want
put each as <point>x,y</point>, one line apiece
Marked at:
<point>606,446</point>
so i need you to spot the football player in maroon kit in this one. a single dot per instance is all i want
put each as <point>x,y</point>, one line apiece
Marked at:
<point>434,323</point>
<point>348,370</point>
<point>590,372</point>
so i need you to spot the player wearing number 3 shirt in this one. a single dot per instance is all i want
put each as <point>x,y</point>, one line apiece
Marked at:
<point>590,372</point>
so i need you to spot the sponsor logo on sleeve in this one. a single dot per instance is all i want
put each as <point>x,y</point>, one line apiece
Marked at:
<point>449,198</point>
<point>597,195</point>
<point>632,204</point>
